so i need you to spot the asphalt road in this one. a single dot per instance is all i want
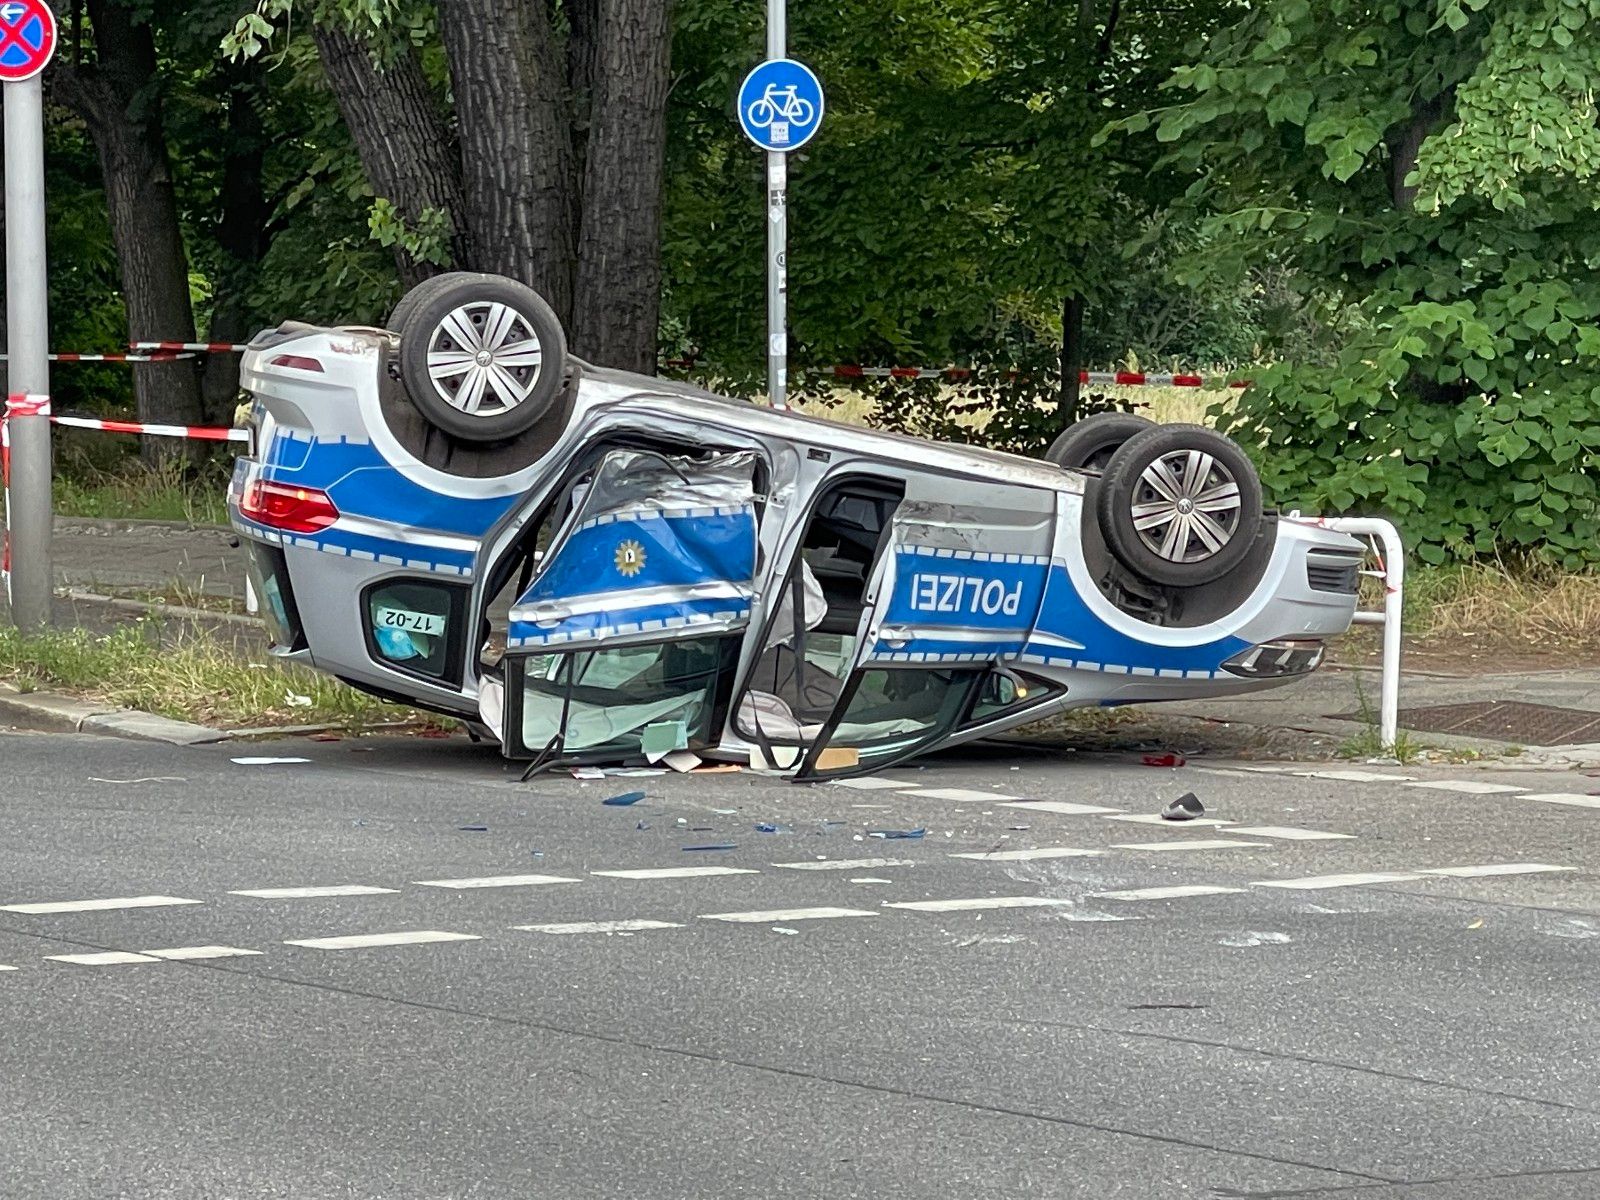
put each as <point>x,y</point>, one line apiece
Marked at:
<point>814,1012</point>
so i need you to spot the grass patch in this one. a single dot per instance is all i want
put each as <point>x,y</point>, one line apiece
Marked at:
<point>135,492</point>
<point>189,676</point>
<point>1533,603</point>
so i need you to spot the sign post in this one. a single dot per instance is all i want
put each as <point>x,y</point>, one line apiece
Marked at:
<point>780,109</point>
<point>27,42</point>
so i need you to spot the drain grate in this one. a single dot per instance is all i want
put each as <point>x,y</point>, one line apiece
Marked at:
<point>1502,721</point>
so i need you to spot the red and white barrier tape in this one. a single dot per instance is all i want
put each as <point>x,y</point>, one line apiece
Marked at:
<point>200,347</point>
<point>131,358</point>
<point>1097,378</point>
<point>203,433</point>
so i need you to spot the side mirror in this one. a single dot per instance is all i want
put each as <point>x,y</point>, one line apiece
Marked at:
<point>1002,689</point>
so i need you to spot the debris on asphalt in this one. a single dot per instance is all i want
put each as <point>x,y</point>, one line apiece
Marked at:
<point>870,879</point>
<point>1016,828</point>
<point>142,779</point>
<point>894,834</point>
<point>588,773</point>
<point>718,769</point>
<point>1478,924</point>
<point>1170,759</point>
<point>537,853</point>
<point>642,825</point>
<point>267,762</point>
<point>769,827</point>
<point>623,800</point>
<point>725,812</point>
<point>682,761</point>
<point>473,828</point>
<point>326,737</point>
<point>713,846</point>
<point>1186,807</point>
<point>661,738</point>
<point>784,929</point>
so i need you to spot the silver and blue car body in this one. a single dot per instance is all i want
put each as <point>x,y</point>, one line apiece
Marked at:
<point>657,570</point>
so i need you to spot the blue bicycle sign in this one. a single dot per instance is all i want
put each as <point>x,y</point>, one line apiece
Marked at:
<point>780,105</point>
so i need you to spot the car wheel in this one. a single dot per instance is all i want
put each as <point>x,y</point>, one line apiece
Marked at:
<point>1088,445</point>
<point>482,356</point>
<point>408,303</point>
<point>1179,505</point>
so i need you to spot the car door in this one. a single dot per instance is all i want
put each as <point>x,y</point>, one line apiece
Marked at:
<point>627,637</point>
<point>956,589</point>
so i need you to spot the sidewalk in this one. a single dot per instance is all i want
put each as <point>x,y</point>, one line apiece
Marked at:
<point>146,559</point>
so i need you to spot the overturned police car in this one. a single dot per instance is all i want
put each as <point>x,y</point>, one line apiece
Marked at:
<point>595,567</point>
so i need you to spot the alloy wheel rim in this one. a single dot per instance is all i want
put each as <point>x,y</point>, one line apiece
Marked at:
<point>1186,507</point>
<point>484,359</point>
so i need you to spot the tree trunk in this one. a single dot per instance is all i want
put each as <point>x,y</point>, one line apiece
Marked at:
<point>517,164</point>
<point>402,139</point>
<point>241,235</point>
<point>619,250</point>
<point>1406,143</point>
<point>118,100</point>
<point>1071,360</point>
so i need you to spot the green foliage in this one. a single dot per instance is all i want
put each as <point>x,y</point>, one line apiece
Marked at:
<point>1430,164</point>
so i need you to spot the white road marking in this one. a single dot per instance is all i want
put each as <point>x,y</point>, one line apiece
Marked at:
<point>496,881</point>
<point>635,925</point>
<point>965,794</point>
<point>777,915</point>
<point>1158,819</point>
<point>1496,869</point>
<point>3,967</point>
<point>66,906</point>
<point>1061,806</point>
<point>675,872</point>
<point>108,958</point>
<point>1288,833</point>
<point>981,903</point>
<point>847,864</point>
<point>1470,787</point>
<point>313,893</point>
<point>188,953</point>
<point>1313,882</point>
<point>874,783</point>
<point>1573,798</point>
<point>1196,844</point>
<point>1273,770</point>
<point>411,937</point>
<point>1027,855</point>
<point>1357,776</point>
<point>1166,893</point>
<point>869,879</point>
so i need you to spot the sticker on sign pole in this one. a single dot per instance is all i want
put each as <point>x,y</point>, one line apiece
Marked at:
<point>780,105</point>
<point>27,38</point>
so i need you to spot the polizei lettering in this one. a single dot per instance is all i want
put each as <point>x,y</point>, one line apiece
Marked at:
<point>964,594</point>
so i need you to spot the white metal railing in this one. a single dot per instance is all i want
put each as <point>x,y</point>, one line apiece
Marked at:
<point>1391,569</point>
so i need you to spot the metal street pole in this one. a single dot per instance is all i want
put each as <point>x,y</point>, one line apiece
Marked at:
<point>27,323</point>
<point>777,235</point>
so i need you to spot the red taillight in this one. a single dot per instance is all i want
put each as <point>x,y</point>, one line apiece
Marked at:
<point>298,361</point>
<point>297,509</point>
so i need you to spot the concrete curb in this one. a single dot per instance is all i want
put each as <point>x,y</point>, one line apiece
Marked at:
<point>50,712</point>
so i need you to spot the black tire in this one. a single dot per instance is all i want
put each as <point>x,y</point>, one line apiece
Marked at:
<point>1088,445</point>
<point>408,302</point>
<point>1150,478</point>
<point>507,343</point>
